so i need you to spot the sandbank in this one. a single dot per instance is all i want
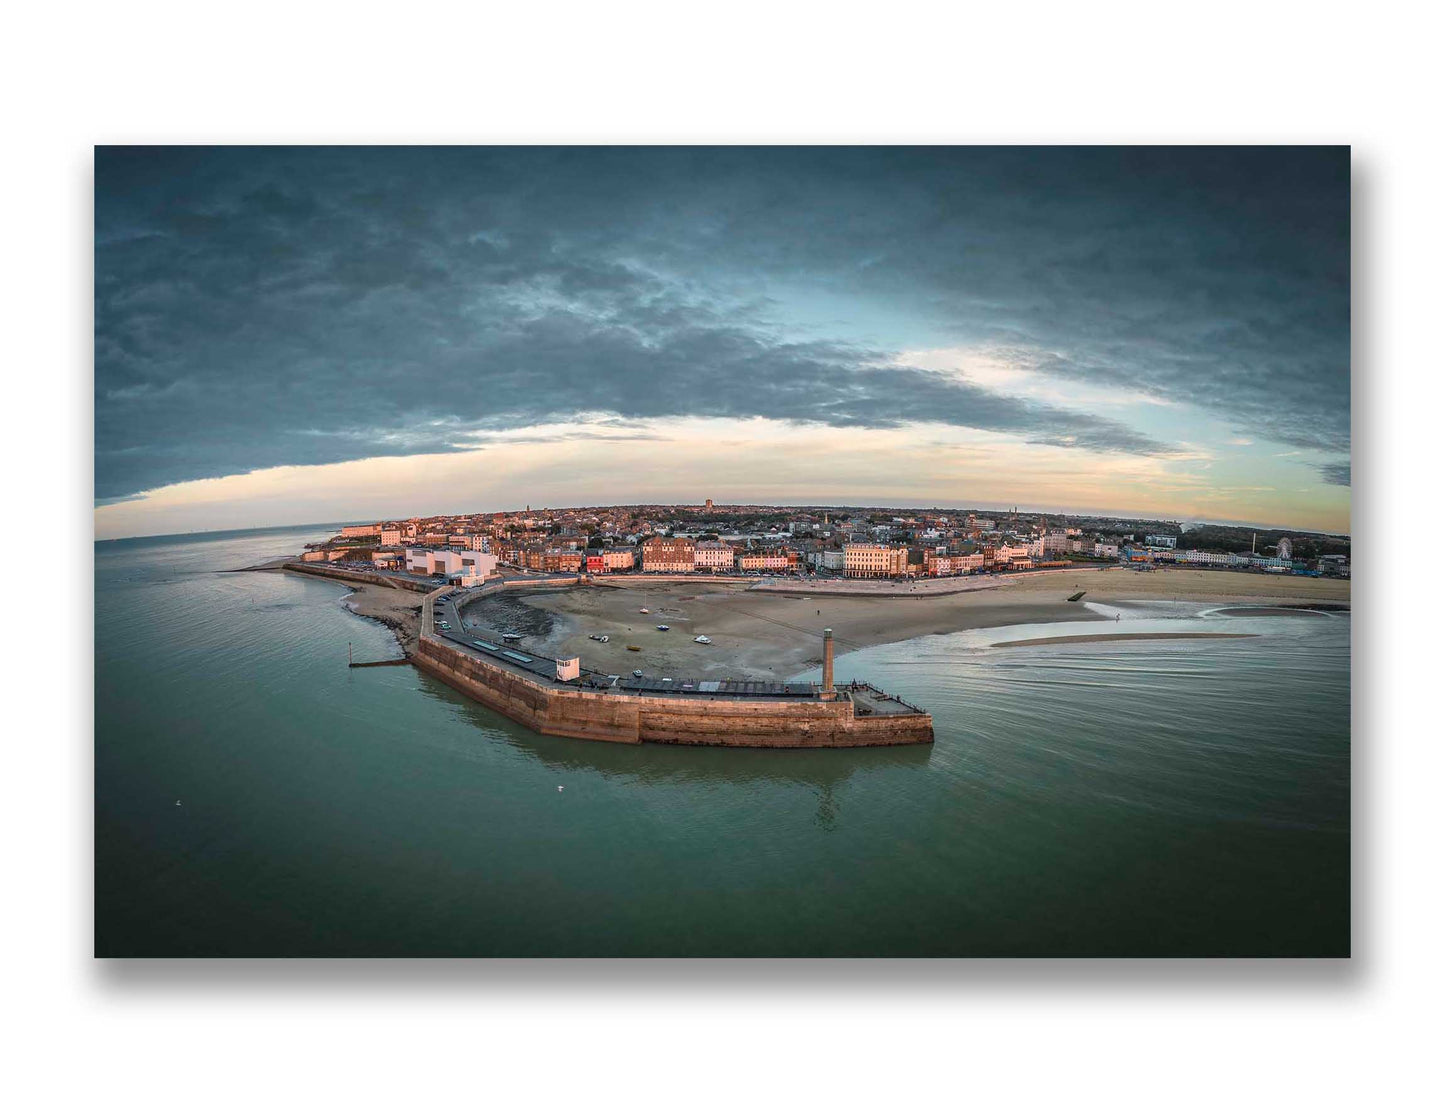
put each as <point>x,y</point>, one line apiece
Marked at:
<point>1094,638</point>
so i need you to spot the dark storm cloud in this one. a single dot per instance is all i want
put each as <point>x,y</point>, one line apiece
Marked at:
<point>264,307</point>
<point>1336,474</point>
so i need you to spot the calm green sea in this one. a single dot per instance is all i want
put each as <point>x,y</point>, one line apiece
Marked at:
<point>1132,798</point>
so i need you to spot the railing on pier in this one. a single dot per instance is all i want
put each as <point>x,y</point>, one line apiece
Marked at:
<point>855,686</point>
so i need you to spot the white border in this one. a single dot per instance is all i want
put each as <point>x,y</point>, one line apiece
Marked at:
<point>742,72</point>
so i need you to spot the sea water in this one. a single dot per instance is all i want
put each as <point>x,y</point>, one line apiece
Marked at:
<point>255,796</point>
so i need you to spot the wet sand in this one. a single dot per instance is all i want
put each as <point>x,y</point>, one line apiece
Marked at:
<point>398,610</point>
<point>1118,584</point>
<point>1098,637</point>
<point>772,635</point>
<point>754,633</point>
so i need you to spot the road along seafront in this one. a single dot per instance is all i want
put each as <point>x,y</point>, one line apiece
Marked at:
<point>558,698</point>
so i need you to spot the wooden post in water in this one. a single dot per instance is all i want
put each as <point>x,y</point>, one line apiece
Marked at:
<point>348,653</point>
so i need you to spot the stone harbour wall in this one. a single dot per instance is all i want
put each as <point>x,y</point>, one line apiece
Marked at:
<point>665,719</point>
<point>330,571</point>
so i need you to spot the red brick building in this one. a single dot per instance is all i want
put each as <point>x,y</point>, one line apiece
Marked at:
<point>669,554</point>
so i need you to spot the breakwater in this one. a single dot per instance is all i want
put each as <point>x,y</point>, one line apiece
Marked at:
<point>396,579</point>
<point>853,716</point>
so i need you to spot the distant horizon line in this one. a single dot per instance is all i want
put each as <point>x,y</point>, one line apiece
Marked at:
<point>1226,523</point>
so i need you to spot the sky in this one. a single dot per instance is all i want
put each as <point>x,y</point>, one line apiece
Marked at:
<point>296,334</point>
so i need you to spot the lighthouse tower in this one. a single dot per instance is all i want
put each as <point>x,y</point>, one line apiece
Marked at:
<point>827,693</point>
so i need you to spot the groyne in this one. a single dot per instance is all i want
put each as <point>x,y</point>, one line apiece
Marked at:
<point>374,578</point>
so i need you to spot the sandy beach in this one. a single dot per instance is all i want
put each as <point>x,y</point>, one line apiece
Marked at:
<point>765,633</point>
<point>771,635</point>
<point>398,610</point>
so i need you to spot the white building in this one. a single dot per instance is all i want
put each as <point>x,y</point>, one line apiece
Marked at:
<point>828,559</point>
<point>479,565</point>
<point>713,556</point>
<point>1055,541</point>
<point>1270,563</point>
<point>475,566</point>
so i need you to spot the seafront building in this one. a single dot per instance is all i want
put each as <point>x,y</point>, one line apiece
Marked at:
<point>936,563</point>
<point>713,556</point>
<point>476,566</point>
<point>568,560</point>
<point>619,559</point>
<point>827,559</point>
<point>862,544</point>
<point>874,561</point>
<point>772,560</point>
<point>669,554</point>
<point>1200,556</point>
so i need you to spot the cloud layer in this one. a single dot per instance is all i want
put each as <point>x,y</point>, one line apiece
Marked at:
<point>304,306</point>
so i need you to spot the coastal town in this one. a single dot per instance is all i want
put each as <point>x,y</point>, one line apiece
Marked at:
<point>817,542</point>
<point>525,610</point>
